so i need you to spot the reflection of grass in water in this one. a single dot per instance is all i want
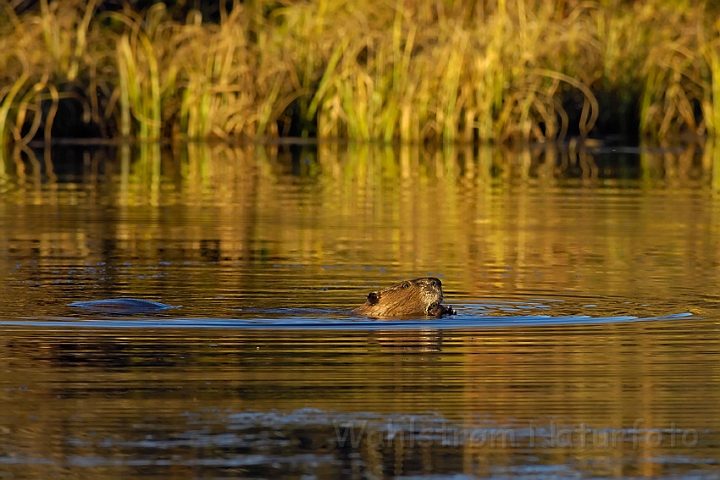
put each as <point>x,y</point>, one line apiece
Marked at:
<point>206,170</point>
<point>411,71</point>
<point>379,214</point>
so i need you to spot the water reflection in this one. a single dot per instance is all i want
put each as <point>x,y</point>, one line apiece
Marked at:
<point>236,222</point>
<point>564,400</point>
<point>586,283</point>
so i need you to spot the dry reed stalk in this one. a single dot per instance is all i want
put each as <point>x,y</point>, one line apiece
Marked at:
<point>709,43</point>
<point>8,95</point>
<point>139,74</point>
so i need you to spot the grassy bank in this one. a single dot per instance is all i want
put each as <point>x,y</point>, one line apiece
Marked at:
<point>439,71</point>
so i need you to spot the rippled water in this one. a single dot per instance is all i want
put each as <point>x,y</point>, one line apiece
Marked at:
<point>585,345</point>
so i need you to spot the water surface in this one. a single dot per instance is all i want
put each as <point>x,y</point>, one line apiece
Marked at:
<point>585,345</point>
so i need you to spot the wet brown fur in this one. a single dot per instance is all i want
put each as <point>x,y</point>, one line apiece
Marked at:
<point>421,297</point>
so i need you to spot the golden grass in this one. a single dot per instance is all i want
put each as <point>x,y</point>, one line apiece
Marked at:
<point>441,71</point>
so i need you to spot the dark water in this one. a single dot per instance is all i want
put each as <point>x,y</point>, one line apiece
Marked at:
<point>585,345</point>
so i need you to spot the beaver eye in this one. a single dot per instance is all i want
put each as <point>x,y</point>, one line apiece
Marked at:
<point>373,298</point>
<point>406,285</point>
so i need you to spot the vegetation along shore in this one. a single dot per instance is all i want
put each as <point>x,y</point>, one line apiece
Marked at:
<point>396,70</point>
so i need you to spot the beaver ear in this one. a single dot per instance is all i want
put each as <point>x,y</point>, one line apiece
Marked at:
<point>373,298</point>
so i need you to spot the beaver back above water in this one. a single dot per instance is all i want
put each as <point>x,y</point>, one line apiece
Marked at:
<point>122,306</point>
<point>421,297</point>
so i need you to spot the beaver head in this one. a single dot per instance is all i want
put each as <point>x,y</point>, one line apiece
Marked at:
<point>420,297</point>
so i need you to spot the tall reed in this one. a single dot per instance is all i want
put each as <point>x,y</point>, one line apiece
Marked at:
<point>438,71</point>
<point>440,81</point>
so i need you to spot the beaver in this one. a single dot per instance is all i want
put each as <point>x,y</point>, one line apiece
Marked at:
<point>420,297</point>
